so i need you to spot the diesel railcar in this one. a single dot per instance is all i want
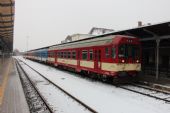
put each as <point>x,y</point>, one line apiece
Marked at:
<point>113,56</point>
<point>109,56</point>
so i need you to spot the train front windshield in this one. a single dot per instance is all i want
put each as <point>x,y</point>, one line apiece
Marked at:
<point>129,51</point>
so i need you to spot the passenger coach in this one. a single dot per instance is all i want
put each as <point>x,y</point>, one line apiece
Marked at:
<point>110,56</point>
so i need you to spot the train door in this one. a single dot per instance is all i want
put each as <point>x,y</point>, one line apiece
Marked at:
<point>78,57</point>
<point>97,61</point>
<point>55,56</point>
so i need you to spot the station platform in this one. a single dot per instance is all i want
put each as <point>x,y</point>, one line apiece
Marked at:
<point>12,98</point>
<point>160,83</point>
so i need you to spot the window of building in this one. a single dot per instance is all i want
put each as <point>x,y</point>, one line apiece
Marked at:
<point>84,55</point>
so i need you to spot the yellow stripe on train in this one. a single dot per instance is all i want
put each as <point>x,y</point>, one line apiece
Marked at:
<point>120,67</point>
<point>88,64</point>
<point>104,66</point>
<point>67,61</point>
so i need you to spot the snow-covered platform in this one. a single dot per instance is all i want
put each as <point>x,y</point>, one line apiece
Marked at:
<point>161,83</point>
<point>12,98</point>
<point>160,86</point>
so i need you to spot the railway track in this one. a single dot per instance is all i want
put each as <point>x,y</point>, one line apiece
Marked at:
<point>136,88</point>
<point>36,102</point>
<point>147,91</point>
<point>64,91</point>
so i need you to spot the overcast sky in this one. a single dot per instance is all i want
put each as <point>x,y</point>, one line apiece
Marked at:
<point>47,22</point>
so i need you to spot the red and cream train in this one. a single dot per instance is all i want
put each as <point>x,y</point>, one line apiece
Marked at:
<point>113,56</point>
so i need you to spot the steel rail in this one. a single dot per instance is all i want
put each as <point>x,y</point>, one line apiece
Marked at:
<point>146,94</point>
<point>150,88</point>
<point>159,98</point>
<point>39,94</point>
<point>73,97</point>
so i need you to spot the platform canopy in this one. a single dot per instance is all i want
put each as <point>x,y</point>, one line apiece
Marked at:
<point>6,25</point>
<point>146,32</point>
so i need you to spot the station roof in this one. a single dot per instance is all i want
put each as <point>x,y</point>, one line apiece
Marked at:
<point>145,33</point>
<point>7,10</point>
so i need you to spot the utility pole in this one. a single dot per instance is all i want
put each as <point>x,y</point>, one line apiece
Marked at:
<point>157,58</point>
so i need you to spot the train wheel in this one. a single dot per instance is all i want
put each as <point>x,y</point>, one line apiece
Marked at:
<point>104,78</point>
<point>115,80</point>
<point>93,76</point>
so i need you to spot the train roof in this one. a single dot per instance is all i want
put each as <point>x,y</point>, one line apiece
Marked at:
<point>88,42</point>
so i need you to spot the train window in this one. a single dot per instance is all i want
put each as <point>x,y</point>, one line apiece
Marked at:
<point>69,55</point>
<point>61,54</point>
<point>84,55</point>
<point>58,54</point>
<point>51,54</point>
<point>131,51</point>
<point>74,54</point>
<point>65,54</point>
<point>55,54</point>
<point>107,52</point>
<point>91,54</point>
<point>122,51</point>
<point>113,52</point>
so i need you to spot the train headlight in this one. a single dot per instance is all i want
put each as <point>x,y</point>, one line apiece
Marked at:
<point>123,61</point>
<point>137,61</point>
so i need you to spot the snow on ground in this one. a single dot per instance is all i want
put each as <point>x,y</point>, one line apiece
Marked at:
<point>58,101</point>
<point>103,97</point>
